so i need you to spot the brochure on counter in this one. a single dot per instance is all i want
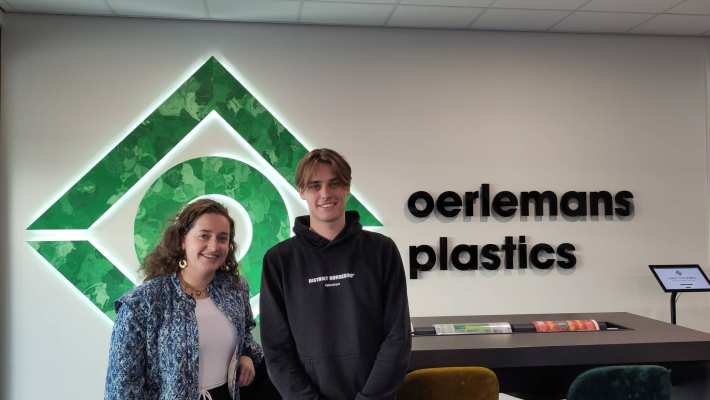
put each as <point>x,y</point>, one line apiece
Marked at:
<point>473,328</point>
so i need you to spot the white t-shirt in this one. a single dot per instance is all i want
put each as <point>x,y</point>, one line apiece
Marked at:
<point>217,339</point>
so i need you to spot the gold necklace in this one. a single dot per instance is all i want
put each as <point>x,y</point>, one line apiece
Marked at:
<point>191,290</point>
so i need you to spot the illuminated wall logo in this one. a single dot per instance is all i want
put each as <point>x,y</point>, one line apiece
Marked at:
<point>212,88</point>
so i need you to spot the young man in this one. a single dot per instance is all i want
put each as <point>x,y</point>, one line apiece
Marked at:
<point>334,314</point>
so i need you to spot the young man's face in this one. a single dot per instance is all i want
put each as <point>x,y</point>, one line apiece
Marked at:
<point>326,195</point>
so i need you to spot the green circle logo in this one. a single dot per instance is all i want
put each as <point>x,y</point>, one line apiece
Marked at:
<point>211,89</point>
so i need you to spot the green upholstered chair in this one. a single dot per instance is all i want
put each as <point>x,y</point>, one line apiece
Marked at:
<point>450,383</point>
<point>629,382</point>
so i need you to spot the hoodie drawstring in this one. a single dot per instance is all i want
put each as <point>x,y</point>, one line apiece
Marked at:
<point>205,394</point>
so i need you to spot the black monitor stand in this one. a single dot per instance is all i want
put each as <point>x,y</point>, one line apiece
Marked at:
<point>674,299</point>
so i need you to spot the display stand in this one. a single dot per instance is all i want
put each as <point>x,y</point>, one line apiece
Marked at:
<point>680,278</point>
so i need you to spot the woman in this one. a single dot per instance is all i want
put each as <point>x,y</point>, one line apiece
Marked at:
<point>176,334</point>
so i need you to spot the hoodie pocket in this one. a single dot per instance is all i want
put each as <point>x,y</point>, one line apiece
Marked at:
<point>339,377</point>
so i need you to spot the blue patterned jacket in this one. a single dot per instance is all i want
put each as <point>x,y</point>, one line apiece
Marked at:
<point>154,346</point>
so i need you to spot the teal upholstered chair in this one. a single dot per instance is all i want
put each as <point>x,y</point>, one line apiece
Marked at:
<point>629,382</point>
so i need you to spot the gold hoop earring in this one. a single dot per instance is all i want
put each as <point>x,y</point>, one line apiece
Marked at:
<point>182,264</point>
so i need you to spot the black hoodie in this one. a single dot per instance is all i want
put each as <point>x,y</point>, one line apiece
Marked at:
<point>334,314</point>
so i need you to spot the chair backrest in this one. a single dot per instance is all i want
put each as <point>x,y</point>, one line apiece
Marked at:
<point>450,383</point>
<point>648,382</point>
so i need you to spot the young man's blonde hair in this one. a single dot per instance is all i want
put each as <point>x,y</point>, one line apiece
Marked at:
<point>307,167</point>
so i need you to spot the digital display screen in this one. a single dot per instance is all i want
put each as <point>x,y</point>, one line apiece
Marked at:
<point>681,278</point>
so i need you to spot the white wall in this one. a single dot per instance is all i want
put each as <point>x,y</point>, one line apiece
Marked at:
<point>412,110</point>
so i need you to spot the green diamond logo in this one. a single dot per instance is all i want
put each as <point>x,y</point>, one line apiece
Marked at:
<point>212,88</point>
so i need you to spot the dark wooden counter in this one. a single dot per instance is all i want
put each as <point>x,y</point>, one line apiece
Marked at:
<point>541,365</point>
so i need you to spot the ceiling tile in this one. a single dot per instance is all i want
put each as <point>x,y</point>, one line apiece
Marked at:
<point>590,21</point>
<point>93,7</point>
<point>345,13</point>
<point>160,8</point>
<point>454,3</point>
<point>518,20</point>
<point>433,17</point>
<point>364,1</point>
<point>692,7</point>
<point>539,4</point>
<point>673,24</point>
<point>637,6</point>
<point>254,10</point>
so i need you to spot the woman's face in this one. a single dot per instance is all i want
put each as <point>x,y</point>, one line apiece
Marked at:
<point>206,244</point>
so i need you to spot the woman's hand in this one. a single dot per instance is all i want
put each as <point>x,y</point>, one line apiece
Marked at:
<point>246,371</point>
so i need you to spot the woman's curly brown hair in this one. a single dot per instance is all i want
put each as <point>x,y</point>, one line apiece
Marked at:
<point>164,259</point>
